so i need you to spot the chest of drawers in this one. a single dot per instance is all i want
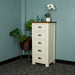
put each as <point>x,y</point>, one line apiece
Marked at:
<point>43,43</point>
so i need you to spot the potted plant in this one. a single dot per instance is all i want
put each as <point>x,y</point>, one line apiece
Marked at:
<point>23,39</point>
<point>28,28</point>
<point>47,15</point>
<point>16,33</point>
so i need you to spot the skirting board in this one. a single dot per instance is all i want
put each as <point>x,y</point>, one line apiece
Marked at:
<point>9,60</point>
<point>25,56</point>
<point>65,62</point>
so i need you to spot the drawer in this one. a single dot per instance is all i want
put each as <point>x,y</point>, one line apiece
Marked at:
<point>42,53</point>
<point>40,59</point>
<point>41,36</point>
<point>39,43</point>
<point>40,28</point>
<point>42,50</point>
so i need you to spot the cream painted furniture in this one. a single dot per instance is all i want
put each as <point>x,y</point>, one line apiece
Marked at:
<point>43,42</point>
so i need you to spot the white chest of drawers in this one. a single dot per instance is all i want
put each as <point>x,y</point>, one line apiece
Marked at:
<point>43,42</point>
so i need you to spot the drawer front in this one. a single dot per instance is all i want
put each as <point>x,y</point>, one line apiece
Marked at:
<point>40,36</point>
<point>40,28</point>
<point>40,43</point>
<point>41,50</point>
<point>40,59</point>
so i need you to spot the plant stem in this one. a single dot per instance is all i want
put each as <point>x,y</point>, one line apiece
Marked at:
<point>48,11</point>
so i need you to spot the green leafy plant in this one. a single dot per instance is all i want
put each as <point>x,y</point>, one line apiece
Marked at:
<point>28,26</point>
<point>21,38</point>
<point>16,32</point>
<point>47,15</point>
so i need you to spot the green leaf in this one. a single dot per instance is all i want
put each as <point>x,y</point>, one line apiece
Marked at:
<point>47,15</point>
<point>21,38</point>
<point>14,32</point>
<point>28,25</point>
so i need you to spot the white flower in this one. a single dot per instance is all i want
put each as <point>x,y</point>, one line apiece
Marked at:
<point>50,6</point>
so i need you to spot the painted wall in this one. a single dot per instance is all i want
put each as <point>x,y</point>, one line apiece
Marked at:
<point>23,15</point>
<point>65,26</point>
<point>10,18</point>
<point>12,15</point>
<point>23,20</point>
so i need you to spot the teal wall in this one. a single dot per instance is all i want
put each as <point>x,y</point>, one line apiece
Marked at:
<point>65,26</point>
<point>10,18</point>
<point>23,20</point>
<point>13,14</point>
<point>23,15</point>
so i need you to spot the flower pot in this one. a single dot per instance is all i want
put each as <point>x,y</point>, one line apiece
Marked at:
<point>26,45</point>
<point>47,19</point>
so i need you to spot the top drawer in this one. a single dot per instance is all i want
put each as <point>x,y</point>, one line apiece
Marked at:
<point>40,27</point>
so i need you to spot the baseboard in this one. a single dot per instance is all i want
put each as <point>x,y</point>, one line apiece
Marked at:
<point>9,60</point>
<point>26,56</point>
<point>13,59</point>
<point>65,62</point>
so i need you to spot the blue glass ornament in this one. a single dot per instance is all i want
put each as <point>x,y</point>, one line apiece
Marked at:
<point>42,19</point>
<point>37,19</point>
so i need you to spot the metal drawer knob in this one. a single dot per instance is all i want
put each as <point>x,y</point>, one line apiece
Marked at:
<point>39,35</point>
<point>39,27</point>
<point>39,58</point>
<point>39,50</point>
<point>39,42</point>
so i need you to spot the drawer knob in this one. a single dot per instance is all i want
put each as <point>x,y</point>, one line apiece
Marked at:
<point>39,35</point>
<point>39,27</point>
<point>39,58</point>
<point>39,50</point>
<point>39,42</point>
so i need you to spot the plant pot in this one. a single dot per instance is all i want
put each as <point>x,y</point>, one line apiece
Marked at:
<point>26,45</point>
<point>47,19</point>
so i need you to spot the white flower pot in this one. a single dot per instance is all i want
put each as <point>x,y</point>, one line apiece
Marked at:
<point>48,20</point>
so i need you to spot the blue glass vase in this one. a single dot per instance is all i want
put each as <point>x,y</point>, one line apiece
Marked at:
<point>37,19</point>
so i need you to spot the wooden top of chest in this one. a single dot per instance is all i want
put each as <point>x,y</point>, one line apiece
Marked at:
<point>43,22</point>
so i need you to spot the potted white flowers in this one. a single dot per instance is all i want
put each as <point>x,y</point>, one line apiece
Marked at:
<point>47,15</point>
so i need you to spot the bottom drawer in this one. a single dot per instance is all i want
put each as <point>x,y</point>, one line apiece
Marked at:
<point>39,59</point>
